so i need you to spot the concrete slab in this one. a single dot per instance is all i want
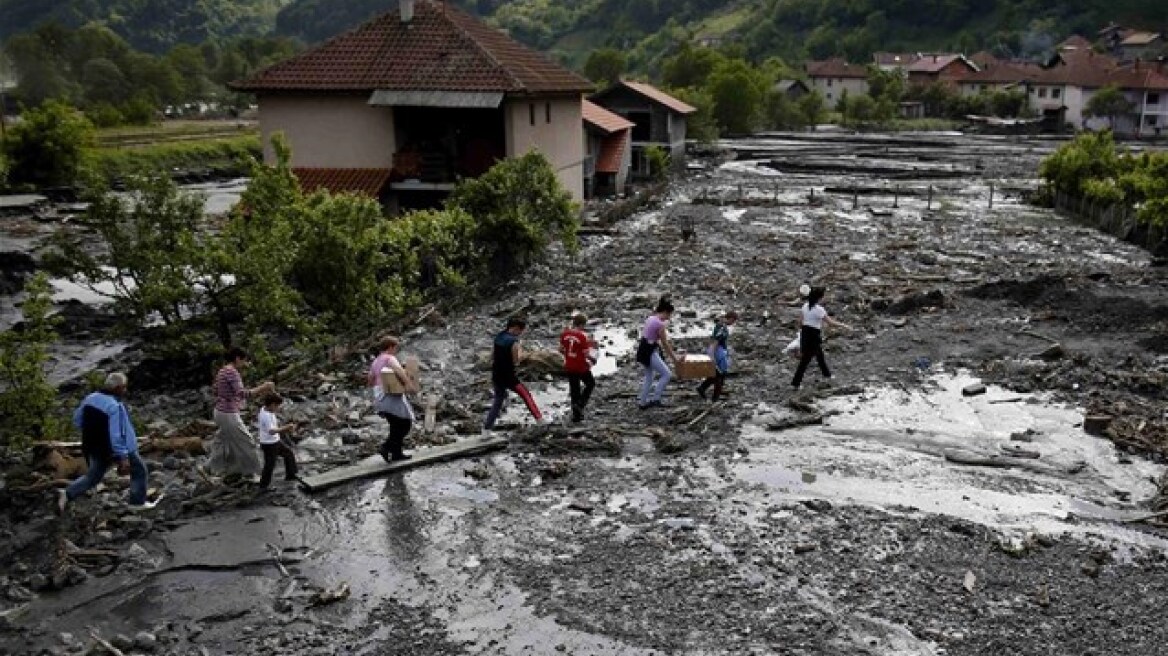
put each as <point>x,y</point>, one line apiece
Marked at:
<point>375,466</point>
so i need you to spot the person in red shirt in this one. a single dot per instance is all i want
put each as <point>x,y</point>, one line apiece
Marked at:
<point>576,346</point>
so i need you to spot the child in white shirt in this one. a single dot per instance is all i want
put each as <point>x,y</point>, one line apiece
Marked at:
<point>271,443</point>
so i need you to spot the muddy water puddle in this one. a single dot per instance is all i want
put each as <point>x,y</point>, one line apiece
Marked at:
<point>888,448</point>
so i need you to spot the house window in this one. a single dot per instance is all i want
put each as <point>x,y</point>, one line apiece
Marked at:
<point>1151,120</point>
<point>547,112</point>
<point>1153,99</point>
<point>1055,93</point>
<point>531,112</point>
<point>829,81</point>
<point>1041,92</point>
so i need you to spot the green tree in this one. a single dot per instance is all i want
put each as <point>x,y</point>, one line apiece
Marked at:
<point>1110,102</point>
<point>886,84</point>
<point>691,67</point>
<point>700,125</point>
<point>739,93</point>
<point>813,107</point>
<point>28,402</point>
<point>519,206</point>
<point>605,66</point>
<point>46,147</point>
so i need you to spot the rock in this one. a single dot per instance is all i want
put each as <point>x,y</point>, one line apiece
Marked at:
<point>818,505</point>
<point>145,640</point>
<point>974,389</point>
<point>172,463</point>
<point>10,619</point>
<point>18,593</point>
<point>76,575</point>
<point>350,437</point>
<point>1096,424</point>
<point>1052,352</point>
<point>970,582</point>
<point>38,582</point>
<point>805,547</point>
<point>680,523</point>
<point>122,641</point>
<point>581,506</point>
<point>66,638</point>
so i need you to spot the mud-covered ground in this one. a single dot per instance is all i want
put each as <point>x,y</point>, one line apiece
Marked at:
<point>883,514</point>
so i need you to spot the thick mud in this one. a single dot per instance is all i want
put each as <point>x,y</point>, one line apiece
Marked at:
<point>886,513</point>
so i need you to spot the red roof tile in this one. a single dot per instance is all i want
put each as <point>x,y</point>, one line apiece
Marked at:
<point>368,182</point>
<point>602,119</point>
<point>441,49</point>
<point>836,68</point>
<point>935,63</point>
<point>658,96</point>
<point>612,152</point>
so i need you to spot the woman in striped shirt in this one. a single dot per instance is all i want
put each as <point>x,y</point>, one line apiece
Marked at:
<point>233,452</point>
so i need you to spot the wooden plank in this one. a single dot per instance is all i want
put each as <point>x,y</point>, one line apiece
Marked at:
<point>375,466</point>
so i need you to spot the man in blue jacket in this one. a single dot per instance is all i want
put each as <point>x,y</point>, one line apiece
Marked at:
<point>107,438</point>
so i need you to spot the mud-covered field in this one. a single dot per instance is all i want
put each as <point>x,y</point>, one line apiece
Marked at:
<point>886,513</point>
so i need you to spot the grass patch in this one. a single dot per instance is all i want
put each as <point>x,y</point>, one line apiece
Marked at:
<point>167,131</point>
<point>223,156</point>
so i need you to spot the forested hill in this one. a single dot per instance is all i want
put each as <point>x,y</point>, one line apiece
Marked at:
<point>150,25</point>
<point>790,29</point>
<point>645,29</point>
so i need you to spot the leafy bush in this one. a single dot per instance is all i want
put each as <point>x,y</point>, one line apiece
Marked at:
<point>519,206</point>
<point>658,159</point>
<point>46,147</point>
<point>1094,168</point>
<point>232,156</point>
<point>28,403</point>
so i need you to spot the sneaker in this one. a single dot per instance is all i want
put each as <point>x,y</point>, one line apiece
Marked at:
<point>62,501</point>
<point>140,507</point>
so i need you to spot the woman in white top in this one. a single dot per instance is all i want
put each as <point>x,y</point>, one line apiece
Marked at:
<point>392,403</point>
<point>812,317</point>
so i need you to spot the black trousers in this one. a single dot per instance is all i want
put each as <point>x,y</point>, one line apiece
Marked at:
<point>580,388</point>
<point>271,453</point>
<point>810,346</point>
<point>718,380</point>
<point>399,427</point>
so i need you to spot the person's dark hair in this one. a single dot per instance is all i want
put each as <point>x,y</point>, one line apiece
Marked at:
<point>732,316</point>
<point>664,305</point>
<point>273,399</point>
<point>235,353</point>
<point>579,320</point>
<point>815,296</point>
<point>516,322</point>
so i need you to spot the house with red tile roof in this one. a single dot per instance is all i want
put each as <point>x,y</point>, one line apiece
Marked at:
<point>833,77</point>
<point>1060,92</point>
<point>658,119</point>
<point>423,96</point>
<point>608,151</point>
<point>933,68</point>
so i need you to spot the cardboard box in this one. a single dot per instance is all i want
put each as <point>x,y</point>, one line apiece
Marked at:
<point>393,384</point>
<point>695,367</point>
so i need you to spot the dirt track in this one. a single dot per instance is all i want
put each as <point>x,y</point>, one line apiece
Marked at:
<point>730,529</point>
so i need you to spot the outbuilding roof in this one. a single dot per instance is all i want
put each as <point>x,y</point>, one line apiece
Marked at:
<point>602,119</point>
<point>441,48</point>
<point>836,67</point>
<point>652,94</point>
<point>366,182</point>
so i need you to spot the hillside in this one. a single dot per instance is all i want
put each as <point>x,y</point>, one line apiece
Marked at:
<point>150,25</point>
<point>791,29</point>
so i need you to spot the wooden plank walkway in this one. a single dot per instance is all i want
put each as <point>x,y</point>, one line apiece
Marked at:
<point>375,466</point>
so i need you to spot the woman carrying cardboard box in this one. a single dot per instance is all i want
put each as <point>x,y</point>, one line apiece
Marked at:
<point>655,341</point>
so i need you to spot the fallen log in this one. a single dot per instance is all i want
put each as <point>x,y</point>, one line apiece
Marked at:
<point>795,422</point>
